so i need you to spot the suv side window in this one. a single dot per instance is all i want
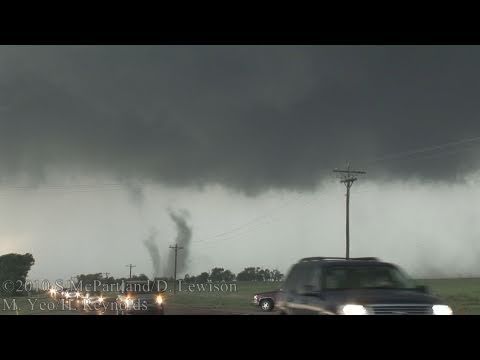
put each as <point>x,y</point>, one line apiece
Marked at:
<point>305,274</point>
<point>300,280</point>
<point>335,278</point>
<point>301,275</point>
<point>291,280</point>
<point>311,277</point>
<point>314,277</point>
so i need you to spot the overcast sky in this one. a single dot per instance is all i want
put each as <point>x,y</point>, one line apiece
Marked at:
<point>98,142</point>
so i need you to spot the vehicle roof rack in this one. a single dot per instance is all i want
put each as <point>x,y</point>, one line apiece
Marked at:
<point>320,258</point>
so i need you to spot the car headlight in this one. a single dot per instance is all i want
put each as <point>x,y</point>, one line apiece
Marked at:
<point>159,300</point>
<point>353,309</point>
<point>100,299</point>
<point>442,310</point>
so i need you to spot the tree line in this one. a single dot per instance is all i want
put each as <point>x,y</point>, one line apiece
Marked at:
<point>217,274</point>
<point>247,274</point>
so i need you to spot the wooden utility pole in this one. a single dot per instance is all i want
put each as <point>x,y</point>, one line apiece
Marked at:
<point>176,248</point>
<point>130,266</point>
<point>348,177</point>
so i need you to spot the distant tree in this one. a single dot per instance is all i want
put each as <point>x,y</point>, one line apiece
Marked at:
<point>220,274</point>
<point>141,277</point>
<point>14,268</point>
<point>120,280</point>
<point>217,274</point>
<point>202,278</point>
<point>259,274</point>
<point>267,275</point>
<point>276,275</point>
<point>89,279</point>
<point>247,274</point>
<point>109,280</point>
<point>242,276</point>
<point>228,276</point>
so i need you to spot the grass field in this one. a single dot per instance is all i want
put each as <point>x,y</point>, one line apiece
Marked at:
<point>239,297</point>
<point>463,295</point>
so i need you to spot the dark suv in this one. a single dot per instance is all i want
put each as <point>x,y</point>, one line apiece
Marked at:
<point>357,286</point>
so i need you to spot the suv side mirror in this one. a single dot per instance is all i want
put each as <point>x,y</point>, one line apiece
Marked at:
<point>422,288</point>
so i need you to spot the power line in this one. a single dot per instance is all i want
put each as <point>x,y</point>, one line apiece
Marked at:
<point>423,150</point>
<point>436,155</point>
<point>247,224</point>
<point>213,242</point>
<point>234,236</point>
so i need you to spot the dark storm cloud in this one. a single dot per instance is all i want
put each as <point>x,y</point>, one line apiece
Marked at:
<point>251,118</point>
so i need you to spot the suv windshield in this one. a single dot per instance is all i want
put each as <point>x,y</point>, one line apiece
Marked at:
<point>340,277</point>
